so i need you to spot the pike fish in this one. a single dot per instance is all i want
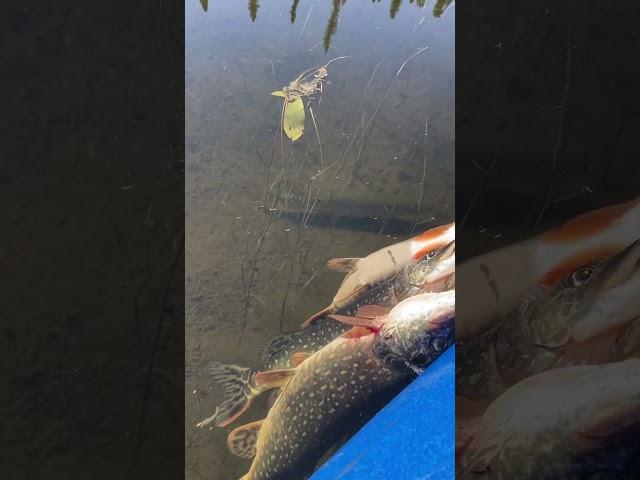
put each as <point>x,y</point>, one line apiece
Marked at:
<point>363,273</point>
<point>335,390</point>
<point>240,385</point>
<point>497,280</point>
<point>585,318</point>
<point>574,423</point>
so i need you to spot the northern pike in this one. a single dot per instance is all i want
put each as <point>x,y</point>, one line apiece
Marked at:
<point>335,390</point>
<point>579,320</point>
<point>573,423</point>
<point>493,283</point>
<point>363,273</point>
<point>240,385</point>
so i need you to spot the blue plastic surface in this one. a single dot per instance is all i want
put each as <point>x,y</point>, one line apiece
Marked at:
<point>412,438</point>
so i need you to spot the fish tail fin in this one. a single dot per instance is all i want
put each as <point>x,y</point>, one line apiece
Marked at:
<point>239,388</point>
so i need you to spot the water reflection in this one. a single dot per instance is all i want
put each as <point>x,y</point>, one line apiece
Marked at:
<point>253,9</point>
<point>332,25</point>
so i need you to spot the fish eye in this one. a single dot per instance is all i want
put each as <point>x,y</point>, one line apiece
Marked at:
<point>431,254</point>
<point>580,276</point>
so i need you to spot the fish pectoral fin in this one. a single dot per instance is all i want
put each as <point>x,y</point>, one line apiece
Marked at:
<point>239,389</point>
<point>371,311</point>
<point>369,323</point>
<point>612,422</point>
<point>299,357</point>
<point>274,378</point>
<point>344,265</point>
<point>357,332</point>
<point>324,311</point>
<point>242,440</point>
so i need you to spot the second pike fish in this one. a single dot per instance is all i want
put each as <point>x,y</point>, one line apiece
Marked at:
<point>240,384</point>
<point>585,318</point>
<point>363,273</point>
<point>337,389</point>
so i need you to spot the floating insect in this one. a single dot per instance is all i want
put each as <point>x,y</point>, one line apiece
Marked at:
<point>307,84</point>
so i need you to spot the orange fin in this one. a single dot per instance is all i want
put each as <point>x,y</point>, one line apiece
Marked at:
<point>368,323</point>
<point>313,317</point>
<point>344,265</point>
<point>371,311</point>
<point>357,332</point>
<point>242,440</point>
<point>274,378</point>
<point>299,357</point>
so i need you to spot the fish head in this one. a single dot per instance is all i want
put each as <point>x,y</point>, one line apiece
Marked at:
<point>417,331</point>
<point>557,322</point>
<point>434,266</point>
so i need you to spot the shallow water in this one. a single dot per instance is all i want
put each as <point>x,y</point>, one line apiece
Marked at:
<point>263,215</point>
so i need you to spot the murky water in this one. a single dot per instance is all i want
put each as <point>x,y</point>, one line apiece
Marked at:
<point>264,215</point>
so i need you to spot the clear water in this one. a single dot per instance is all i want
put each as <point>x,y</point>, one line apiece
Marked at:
<point>259,271</point>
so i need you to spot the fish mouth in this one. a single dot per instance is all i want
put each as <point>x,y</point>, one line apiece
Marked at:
<point>445,264</point>
<point>617,299</point>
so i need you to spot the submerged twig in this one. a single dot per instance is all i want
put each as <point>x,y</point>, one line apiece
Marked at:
<point>319,142</point>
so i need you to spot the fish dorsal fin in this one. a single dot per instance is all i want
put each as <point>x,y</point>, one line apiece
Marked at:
<point>612,421</point>
<point>344,265</point>
<point>274,347</point>
<point>299,357</point>
<point>242,440</point>
<point>371,311</point>
<point>368,323</point>
<point>274,378</point>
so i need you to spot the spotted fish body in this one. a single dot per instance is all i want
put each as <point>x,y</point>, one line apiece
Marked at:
<point>333,393</point>
<point>239,383</point>
<point>336,390</point>
<point>585,318</point>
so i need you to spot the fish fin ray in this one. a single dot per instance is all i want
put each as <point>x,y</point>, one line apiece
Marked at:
<point>274,378</point>
<point>371,311</point>
<point>357,321</point>
<point>357,332</point>
<point>344,265</point>
<point>298,357</point>
<point>239,389</point>
<point>242,440</point>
